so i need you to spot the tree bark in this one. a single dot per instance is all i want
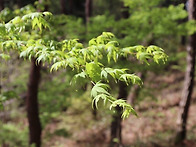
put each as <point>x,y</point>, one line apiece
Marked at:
<point>1,5</point>
<point>94,111</point>
<point>88,10</point>
<point>88,14</point>
<point>70,11</point>
<point>125,12</point>
<point>189,79</point>
<point>35,129</point>
<point>183,37</point>
<point>66,6</point>
<point>63,7</point>
<point>32,105</point>
<point>116,139</point>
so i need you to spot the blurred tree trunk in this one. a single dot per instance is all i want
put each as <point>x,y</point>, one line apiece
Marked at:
<point>88,14</point>
<point>73,7</point>
<point>19,3</point>
<point>184,38</point>
<point>66,6</point>
<point>125,11</point>
<point>94,111</point>
<point>116,128</point>
<point>88,10</point>
<point>35,129</point>
<point>189,79</point>
<point>32,105</point>
<point>63,6</point>
<point>116,139</point>
<point>70,6</point>
<point>1,5</point>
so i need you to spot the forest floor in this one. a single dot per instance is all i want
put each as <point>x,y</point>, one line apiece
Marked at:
<point>157,107</point>
<point>155,126</point>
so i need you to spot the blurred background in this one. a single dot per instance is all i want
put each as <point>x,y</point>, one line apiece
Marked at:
<point>65,111</point>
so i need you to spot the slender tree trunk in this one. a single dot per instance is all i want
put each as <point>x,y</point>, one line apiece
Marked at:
<point>116,139</point>
<point>32,105</point>
<point>183,37</point>
<point>1,5</point>
<point>189,79</point>
<point>70,7</point>
<point>88,14</point>
<point>35,129</point>
<point>94,111</point>
<point>67,7</point>
<point>63,6</point>
<point>88,10</point>
<point>19,3</point>
<point>125,12</point>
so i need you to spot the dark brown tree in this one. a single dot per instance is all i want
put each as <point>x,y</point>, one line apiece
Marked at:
<point>1,5</point>
<point>116,128</point>
<point>35,129</point>
<point>32,105</point>
<point>66,6</point>
<point>19,3</point>
<point>116,139</point>
<point>88,10</point>
<point>70,6</point>
<point>73,7</point>
<point>189,79</point>
<point>125,12</point>
<point>63,6</point>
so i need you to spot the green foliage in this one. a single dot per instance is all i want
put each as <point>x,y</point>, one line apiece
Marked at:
<point>13,135</point>
<point>90,61</point>
<point>108,25</point>
<point>4,96</point>
<point>5,56</point>
<point>12,29</point>
<point>42,36</point>
<point>62,132</point>
<point>149,21</point>
<point>136,4</point>
<point>54,97</point>
<point>93,70</point>
<point>96,72</point>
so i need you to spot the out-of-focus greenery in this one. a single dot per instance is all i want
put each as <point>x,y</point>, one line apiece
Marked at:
<point>13,135</point>
<point>149,22</point>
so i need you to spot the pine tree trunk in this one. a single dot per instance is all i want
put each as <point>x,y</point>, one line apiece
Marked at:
<point>32,105</point>
<point>189,79</point>
<point>116,139</point>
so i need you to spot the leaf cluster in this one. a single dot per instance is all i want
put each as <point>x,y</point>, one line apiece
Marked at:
<point>71,53</point>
